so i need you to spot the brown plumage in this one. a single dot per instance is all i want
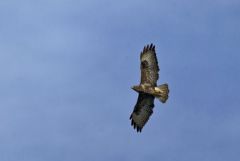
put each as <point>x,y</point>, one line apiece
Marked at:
<point>149,65</point>
<point>147,89</point>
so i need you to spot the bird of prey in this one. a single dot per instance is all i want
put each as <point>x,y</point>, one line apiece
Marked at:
<point>148,89</point>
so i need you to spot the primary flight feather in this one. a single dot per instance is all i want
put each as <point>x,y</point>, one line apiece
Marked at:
<point>148,88</point>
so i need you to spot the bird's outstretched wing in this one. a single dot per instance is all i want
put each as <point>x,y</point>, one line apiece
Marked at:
<point>149,65</point>
<point>142,111</point>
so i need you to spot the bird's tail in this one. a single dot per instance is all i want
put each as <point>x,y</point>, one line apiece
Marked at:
<point>162,92</point>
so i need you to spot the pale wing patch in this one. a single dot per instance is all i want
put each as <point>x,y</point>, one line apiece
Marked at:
<point>148,56</point>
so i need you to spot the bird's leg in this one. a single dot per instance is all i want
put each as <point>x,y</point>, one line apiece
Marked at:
<point>157,90</point>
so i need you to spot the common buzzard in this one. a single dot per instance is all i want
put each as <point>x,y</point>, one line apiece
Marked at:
<point>148,88</point>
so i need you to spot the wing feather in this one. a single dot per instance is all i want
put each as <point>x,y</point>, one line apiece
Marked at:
<point>142,111</point>
<point>149,65</point>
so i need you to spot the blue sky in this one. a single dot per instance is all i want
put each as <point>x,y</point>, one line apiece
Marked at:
<point>67,67</point>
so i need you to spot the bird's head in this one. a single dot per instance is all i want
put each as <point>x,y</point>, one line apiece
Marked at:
<point>135,88</point>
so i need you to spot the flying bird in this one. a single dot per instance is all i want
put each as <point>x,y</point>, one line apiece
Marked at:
<point>148,89</point>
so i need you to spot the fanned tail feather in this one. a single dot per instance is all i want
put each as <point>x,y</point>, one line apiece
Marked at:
<point>163,90</point>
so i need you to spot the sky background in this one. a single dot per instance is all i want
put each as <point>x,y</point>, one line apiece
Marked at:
<point>66,68</point>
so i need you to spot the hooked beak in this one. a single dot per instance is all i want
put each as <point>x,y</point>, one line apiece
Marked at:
<point>134,88</point>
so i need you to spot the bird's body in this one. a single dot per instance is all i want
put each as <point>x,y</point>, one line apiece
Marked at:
<point>148,88</point>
